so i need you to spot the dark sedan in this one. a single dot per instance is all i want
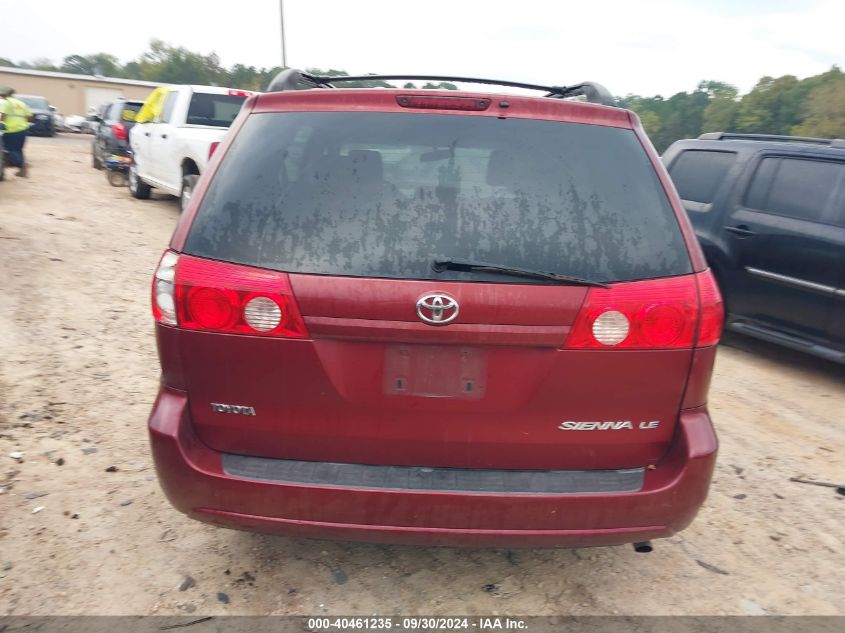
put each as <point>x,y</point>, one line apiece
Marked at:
<point>43,123</point>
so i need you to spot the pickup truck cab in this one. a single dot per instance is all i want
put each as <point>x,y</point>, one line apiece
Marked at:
<point>176,131</point>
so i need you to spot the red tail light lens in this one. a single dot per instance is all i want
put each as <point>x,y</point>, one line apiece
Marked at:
<point>674,313</point>
<point>712,310</point>
<point>443,103</point>
<point>119,131</point>
<point>220,297</point>
<point>239,93</point>
<point>212,148</point>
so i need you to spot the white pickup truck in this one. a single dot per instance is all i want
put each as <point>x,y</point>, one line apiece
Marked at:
<point>175,134</point>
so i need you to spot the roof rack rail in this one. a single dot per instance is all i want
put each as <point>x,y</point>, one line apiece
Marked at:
<point>292,79</point>
<point>721,136</point>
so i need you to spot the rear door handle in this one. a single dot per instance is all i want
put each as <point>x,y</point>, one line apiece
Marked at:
<point>740,231</point>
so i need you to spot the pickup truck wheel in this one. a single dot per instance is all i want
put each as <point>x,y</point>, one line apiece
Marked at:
<point>137,187</point>
<point>188,183</point>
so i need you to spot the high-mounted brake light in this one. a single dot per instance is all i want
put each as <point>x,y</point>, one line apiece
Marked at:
<point>428,102</point>
<point>239,93</point>
<point>679,312</point>
<point>220,297</point>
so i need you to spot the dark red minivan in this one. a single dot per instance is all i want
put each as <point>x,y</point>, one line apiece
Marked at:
<point>443,317</point>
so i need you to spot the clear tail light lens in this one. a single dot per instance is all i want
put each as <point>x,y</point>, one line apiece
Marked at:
<point>164,303</point>
<point>221,297</point>
<point>673,313</point>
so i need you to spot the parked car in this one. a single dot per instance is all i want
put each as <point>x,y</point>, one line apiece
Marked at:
<point>112,134</point>
<point>770,214</point>
<point>75,123</point>
<point>43,123</point>
<point>435,317</point>
<point>176,135</point>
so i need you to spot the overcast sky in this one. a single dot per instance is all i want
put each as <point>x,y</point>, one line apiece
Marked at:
<point>636,46</point>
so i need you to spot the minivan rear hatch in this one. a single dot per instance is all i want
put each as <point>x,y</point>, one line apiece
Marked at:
<point>354,210</point>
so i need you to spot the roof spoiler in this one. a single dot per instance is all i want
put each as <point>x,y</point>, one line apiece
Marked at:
<point>292,79</point>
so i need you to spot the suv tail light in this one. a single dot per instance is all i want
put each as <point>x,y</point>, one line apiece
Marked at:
<point>119,131</point>
<point>679,312</point>
<point>200,294</point>
<point>212,148</point>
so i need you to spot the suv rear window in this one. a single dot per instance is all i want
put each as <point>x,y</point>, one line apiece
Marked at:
<point>212,109</point>
<point>384,194</point>
<point>123,111</point>
<point>697,174</point>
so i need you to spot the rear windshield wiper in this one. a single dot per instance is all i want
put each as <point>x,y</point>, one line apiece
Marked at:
<point>440,265</point>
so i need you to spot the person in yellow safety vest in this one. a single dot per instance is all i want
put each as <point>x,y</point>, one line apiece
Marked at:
<point>15,116</point>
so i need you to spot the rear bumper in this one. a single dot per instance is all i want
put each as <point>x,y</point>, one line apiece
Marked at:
<point>195,482</point>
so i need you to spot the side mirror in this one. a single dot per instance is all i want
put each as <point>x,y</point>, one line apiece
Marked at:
<point>52,108</point>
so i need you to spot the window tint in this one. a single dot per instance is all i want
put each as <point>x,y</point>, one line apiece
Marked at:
<point>799,188</point>
<point>216,110</point>
<point>758,190</point>
<point>38,103</point>
<point>129,111</point>
<point>802,188</point>
<point>384,194</point>
<point>167,111</point>
<point>697,174</point>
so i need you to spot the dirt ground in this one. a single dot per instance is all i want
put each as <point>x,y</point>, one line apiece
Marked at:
<point>78,373</point>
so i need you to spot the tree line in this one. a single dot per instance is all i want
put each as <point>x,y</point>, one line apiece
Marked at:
<point>164,63</point>
<point>813,106</point>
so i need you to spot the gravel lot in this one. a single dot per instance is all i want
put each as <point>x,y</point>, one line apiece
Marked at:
<point>84,528</point>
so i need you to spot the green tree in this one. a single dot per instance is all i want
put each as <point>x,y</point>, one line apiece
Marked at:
<point>824,111</point>
<point>6,62</point>
<point>177,65</point>
<point>770,108</point>
<point>722,106</point>
<point>40,63</point>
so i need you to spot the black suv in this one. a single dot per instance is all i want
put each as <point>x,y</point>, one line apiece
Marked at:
<point>112,135</point>
<point>769,212</point>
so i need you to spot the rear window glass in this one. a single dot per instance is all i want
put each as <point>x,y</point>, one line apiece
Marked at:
<point>130,111</point>
<point>794,187</point>
<point>39,103</point>
<point>216,110</point>
<point>697,174</point>
<point>384,194</point>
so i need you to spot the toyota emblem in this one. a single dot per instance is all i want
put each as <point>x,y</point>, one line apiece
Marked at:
<point>437,309</point>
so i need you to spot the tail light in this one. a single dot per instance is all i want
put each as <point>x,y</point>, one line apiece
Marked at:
<point>119,131</point>
<point>239,93</point>
<point>443,103</point>
<point>212,148</point>
<point>712,310</point>
<point>674,313</point>
<point>200,294</point>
